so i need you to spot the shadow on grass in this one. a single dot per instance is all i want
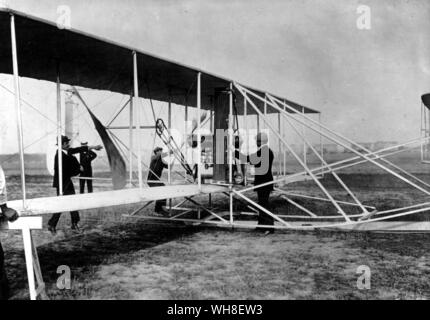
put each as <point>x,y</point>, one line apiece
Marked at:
<point>402,244</point>
<point>83,254</point>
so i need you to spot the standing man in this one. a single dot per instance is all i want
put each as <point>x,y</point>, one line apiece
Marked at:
<point>262,161</point>
<point>71,168</point>
<point>7,214</point>
<point>86,156</point>
<point>155,171</point>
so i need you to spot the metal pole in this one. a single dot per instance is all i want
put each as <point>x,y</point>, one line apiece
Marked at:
<point>130,132</point>
<point>211,128</point>
<point>199,145</point>
<point>59,140</point>
<point>169,126</point>
<point>362,155</point>
<point>186,135</point>
<point>426,132</point>
<point>241,89</point>
<point>258,122</point>
<point>306,142</point>
<point>274,104</point>
<point>211,122</point>
<point>292,194</point>
<point>291,177</point>
<point>139,129</point>
<point>262,208</point>
<point>245,122</point>
<point>279,146</point>
<point>320,136</point>
<point>18,108</point>
<point>230,150</point>
<point>304,137</point>
<point>26,237</point>
<point>265,111</point>
<point>421,133</point>
<point>118,112</point>
<point>169,165</point>
<point>285,155</point>
<point>299,206</point>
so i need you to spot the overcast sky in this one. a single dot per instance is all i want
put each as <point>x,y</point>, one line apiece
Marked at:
<point>367,83</point>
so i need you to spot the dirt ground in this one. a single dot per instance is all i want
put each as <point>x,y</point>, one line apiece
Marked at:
<point>119,258</point>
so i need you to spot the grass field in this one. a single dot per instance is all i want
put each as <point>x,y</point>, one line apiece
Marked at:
<point>117,258</point>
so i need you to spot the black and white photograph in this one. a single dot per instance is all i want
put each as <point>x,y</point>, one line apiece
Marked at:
<point>215,154</point>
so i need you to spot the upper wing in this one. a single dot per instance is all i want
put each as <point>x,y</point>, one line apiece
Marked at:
<point>92,62</point>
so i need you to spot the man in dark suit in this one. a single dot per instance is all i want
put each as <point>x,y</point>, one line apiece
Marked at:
<point>71,168</point>
<point>6,214</point>
<point>155,171</point>
<point>86,156</point>
<point>262,161</point>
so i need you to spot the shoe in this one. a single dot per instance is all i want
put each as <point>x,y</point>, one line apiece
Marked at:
<point>52,229</point>
<point>75,227</point>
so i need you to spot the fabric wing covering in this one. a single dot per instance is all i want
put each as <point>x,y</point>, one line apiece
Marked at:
<point>116,162</point>
<point>46,52</point>
<point>426,99</point>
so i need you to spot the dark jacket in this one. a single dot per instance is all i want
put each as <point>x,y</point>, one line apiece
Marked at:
<point>70,165</point>
<point>156,167</point>
<point>85,159</point>
<point>262,161</point>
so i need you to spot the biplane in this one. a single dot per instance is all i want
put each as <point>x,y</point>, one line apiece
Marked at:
<point>38,49</point>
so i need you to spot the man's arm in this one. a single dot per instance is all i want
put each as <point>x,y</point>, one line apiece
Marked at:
<point>242,157</point>
<point>165,154</point>
<point>77,150</point>
<point>165,165</point>
<point>85,148</point>
<point>161,155</point>
<point>92,155</point>
<point>253,158</point>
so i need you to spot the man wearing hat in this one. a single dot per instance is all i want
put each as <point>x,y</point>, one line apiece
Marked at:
<point>155,171</point>
<point>6,214</point>
<point>86,156</point>
<point>71,168</point>
<point>262,161</point>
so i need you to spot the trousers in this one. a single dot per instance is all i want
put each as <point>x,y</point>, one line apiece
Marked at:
<point>263,200</point>
<point>68,190</point>
<point>89,183</point>
<point>159,203</point>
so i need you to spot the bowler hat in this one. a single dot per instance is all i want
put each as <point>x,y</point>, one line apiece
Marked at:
<point>64,139</point>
